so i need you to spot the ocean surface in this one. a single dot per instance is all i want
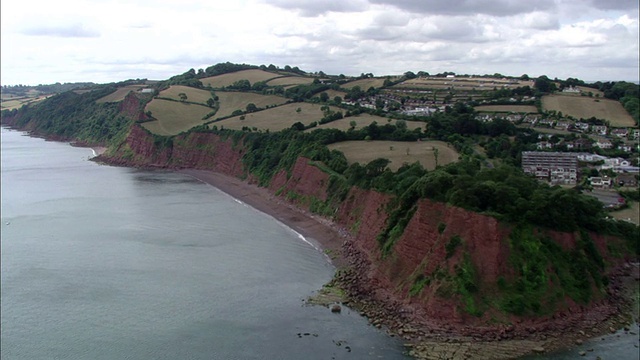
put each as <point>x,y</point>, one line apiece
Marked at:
<point>101,262</point>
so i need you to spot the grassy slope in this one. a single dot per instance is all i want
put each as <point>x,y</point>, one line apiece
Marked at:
<point>396,151</point>
<point>193,94</point>
<point>586,107</point>
<point>253,75</point>
<point>174,117</point>
<point>231,101</point>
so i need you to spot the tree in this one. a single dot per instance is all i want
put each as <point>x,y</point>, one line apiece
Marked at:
<point>251,107</point>
<point>324,97</point>
<point>210,102</point>
<point>544,85</point>
<point>353,124</point>
<point>337,100</point>
<point>182,96</point>
<point>410,75</point>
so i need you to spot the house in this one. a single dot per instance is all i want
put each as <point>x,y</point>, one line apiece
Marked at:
<point>604,144</point>
<point>514,117</point>
<point>581,126</point>
<point>586,157</point>
<point>563,124</point>
<point>628,180</point>
<point>544,145</point>
<point>546,122</point>
<point>626,148</point>
<point>599,129</point>
<point>571,90</point>
<point>620,132</point>
<point>600,182</point>
<point>635,133</point>
<point>147,91</point>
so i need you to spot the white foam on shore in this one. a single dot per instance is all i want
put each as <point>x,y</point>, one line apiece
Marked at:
<point>300,236</point>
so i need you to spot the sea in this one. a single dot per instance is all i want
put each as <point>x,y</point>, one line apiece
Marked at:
<point>101,262</point>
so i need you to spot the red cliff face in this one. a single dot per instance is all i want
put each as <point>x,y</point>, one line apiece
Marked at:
<point>305,180</point>
<point>132,108</point>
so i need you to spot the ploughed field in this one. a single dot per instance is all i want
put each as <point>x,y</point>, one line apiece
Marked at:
<point>398,152</point>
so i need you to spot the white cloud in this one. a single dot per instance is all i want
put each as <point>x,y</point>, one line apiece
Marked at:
<point>112,40</point>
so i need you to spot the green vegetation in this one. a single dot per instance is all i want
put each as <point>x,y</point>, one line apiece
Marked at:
<point>452,245</point>
<point>74,116</point>
<point>544,268</point>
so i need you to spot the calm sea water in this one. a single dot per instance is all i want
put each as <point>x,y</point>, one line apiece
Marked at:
<point>101,262</point>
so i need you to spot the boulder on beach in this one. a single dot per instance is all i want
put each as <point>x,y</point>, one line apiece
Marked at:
<point>335,308</point>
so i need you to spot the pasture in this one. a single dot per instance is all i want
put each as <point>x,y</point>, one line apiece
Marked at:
<point>363,120</point>
<point>17,102</point>
<point>290,80</point>
<point>174,117</point>
<point>231,101</point>
<point>398,152</point>
<point>586,107</point>
<point>253,75</point>
<point>193,94</point>
<point>277,118</point>
<point>365,84</point>
<point>530,109</point>
<point>119,94</point>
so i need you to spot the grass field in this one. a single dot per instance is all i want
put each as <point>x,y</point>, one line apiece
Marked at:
<point>174,117</point>
<point>231,101</point>
<point>290,80</point>
<point>365,84</point>
<point>586,107</point>
<point>277,118</point>
<point>423,151</point>
<point>18,102</point>
<point>253,75</point>
<point>632,213</point>
<point>507,108</point>
<point>363,120</point>
<point>119,94</point>
<point>193,94</point>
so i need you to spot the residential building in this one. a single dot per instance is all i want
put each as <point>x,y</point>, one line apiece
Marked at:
<point>554,167</point>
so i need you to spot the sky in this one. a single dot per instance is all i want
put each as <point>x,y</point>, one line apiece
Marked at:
<point>44,41</point>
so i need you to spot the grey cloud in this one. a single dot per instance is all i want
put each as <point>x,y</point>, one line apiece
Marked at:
<point>69,31</point>
<point>470,7</point>
<point>315,8</point>
<point>614,4</point>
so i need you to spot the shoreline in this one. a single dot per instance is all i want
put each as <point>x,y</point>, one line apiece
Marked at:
<point>426,340</point>
<point>327,236</point>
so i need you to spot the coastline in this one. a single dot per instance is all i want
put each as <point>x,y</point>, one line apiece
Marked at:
<point>328,237</point>
<point>425,340</point>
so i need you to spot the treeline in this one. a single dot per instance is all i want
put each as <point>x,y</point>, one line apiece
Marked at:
<point>73,116</point>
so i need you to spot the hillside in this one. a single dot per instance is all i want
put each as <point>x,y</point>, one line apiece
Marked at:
<point>443,233</point>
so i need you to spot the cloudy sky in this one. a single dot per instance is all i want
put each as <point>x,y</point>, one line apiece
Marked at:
<point>45,41</point>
